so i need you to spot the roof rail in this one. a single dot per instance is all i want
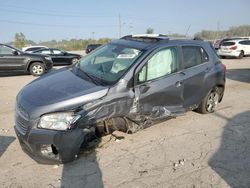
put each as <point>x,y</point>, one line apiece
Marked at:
<point>147,37</point>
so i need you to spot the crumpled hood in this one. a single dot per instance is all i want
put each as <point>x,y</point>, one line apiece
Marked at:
<point>58,91</point>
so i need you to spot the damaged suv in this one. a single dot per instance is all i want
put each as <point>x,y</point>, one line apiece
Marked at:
<point>126,85</point>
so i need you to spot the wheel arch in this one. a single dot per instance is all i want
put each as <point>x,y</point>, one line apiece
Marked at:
<point>31,62</point>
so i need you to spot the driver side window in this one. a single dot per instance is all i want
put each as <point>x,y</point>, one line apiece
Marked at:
<point>6,50</point>
<point>160,64</point>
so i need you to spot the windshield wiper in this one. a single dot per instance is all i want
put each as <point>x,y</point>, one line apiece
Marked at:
<point>90,77</point>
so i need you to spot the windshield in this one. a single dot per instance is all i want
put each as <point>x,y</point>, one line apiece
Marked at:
<point>109,62</point>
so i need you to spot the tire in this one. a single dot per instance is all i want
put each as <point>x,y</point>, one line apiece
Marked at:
<point>241,55</point>
<point>209,103</point>
<point>74,61</point>
<point>37,69</point>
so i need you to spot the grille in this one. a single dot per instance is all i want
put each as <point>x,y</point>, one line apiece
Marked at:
<point>22,124</point>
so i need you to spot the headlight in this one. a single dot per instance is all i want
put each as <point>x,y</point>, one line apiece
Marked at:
<point>58,121</point>
<point>48,58</point>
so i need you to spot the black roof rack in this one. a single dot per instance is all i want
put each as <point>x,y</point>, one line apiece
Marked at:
<point>147,38</point>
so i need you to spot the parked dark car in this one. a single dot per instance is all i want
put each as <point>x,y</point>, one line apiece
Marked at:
<point>59,57</point>
<point>15,60</point>
<point>91,47</point>
<point>126,85</point>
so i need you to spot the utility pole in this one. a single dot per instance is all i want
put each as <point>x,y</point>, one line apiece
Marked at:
<point>120,26</point>
<point>187,30</point>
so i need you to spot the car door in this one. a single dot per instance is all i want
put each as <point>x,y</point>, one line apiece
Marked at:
<point>195,66</point>
<point>59,57</point>
<point>159,87</point>
<point>11,59</point>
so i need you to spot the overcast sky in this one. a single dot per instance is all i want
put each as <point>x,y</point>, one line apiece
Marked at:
<point>64,19</point>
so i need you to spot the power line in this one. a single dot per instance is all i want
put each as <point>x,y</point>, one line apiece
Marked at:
<point>52,25</point>
<point>41,10</point>
<point>52,14</point>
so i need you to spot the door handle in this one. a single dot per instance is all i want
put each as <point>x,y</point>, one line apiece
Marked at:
<point>178,84</point>
<point>144,88</point>
<point>182,73</point>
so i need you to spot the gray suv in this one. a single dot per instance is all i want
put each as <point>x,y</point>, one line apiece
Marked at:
<point>126,85</point>
<point>13,60</point>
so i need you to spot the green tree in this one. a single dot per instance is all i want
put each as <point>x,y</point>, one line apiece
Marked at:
<point>150,30</point>
<point>20,40</point>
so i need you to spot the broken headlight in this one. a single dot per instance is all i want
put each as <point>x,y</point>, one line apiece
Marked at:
<point>58,121</point>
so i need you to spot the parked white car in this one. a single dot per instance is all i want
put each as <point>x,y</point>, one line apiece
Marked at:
<point>235,48</point>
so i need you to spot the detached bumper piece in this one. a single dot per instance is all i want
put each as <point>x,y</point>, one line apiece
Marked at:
<point>50,147</point>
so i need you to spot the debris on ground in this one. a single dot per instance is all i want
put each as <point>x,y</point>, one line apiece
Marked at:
<point>56,166</point>
<point>180,162</point>
<point>141,172</point>
<point>4,130</point>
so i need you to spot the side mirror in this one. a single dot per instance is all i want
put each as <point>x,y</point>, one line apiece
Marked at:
<point>64,53</point>
<point>15,52</point>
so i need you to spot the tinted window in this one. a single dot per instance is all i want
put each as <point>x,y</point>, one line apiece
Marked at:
<point>33,49</point>
<point>193,55</point>
<point>160,64</point>
<point>6,50</point>
<point>228,44</point>
<point>245,42</point>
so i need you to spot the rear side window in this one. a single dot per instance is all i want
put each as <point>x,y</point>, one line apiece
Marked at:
<point>33,49</point>
<point>193,55</point>
<point>57,52</point>
<point>228,44</point>
<point>245,42</point>
<point>44,52</point>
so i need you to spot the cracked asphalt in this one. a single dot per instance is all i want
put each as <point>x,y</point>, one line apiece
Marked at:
<point>190,151</point>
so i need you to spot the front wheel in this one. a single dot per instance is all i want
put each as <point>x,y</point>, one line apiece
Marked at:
<point>37,69</point>
<point>74,61</point>
<point>210,102</point>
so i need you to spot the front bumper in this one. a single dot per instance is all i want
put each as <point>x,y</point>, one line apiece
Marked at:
<point>48,146</point>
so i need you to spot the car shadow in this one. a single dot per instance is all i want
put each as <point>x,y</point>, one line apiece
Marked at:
<point>9,74</point>
<point>5,141</point>
<point>242,75</point>
<point>232,160</point>
<point>83,172</point>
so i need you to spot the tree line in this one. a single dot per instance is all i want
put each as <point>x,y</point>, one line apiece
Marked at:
<point>80,44</point>
<point>240,31</point>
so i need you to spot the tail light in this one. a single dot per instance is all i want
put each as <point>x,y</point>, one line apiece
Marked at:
<point>233,48</point>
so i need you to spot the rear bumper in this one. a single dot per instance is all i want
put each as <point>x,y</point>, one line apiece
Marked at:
<point>50,147</point>
<point>229,53</point>
<point>48,65</point>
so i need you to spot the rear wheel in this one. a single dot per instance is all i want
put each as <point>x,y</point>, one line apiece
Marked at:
<point>241,55</point>
<point>210,102</point>
<point>37,69</point>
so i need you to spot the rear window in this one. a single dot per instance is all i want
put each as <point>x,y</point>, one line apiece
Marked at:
<point>228,43</point>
